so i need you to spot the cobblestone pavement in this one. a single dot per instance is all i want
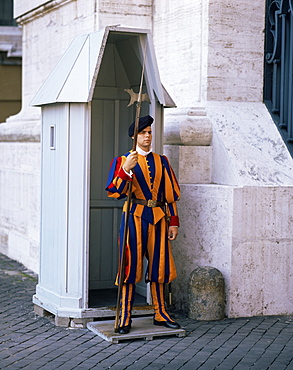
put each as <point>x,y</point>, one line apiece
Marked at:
<point>31,342</point>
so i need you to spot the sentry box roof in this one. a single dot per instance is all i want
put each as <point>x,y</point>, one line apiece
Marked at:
<point>74,77</point>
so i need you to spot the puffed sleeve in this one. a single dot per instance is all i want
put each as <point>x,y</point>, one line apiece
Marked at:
<point>118,179</point>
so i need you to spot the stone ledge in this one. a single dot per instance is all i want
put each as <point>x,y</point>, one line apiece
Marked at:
<point>26,11</point>
<point>189,126</point>
<point>20,131</point>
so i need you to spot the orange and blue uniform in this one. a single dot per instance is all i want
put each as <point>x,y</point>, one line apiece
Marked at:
<point>153,180</point>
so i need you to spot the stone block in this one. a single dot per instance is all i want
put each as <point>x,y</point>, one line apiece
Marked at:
<point>195,164</point>
<point>189,126</point>
<point>204,238</point>
<point>172,152</point>
<point>62,321</point>
<point>80,323</point>
<point>41,311</point>
<point>192,164</point>
<point>206,294</point>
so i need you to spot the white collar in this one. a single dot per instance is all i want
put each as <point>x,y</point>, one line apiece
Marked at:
<point>142,152</point>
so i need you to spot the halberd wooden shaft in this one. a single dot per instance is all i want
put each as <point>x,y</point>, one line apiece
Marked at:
<point>121,270</point>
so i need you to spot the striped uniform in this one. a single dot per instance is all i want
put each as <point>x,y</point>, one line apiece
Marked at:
<point>148,233</point>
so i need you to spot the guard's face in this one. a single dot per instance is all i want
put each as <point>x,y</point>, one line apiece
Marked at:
<point>144,139</point>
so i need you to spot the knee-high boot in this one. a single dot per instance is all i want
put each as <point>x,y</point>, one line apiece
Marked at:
<point>127,298</point>
<point>161,317</point>
<point>158,298</point>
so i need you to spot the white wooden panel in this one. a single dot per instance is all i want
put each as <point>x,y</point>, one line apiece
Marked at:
<point>64,217</point>
<point>158,127</point>
<point>54,198</point>
<point>169,102</point>
<point>77,200</point>
<point>111,72</point>
<point>104,248</point>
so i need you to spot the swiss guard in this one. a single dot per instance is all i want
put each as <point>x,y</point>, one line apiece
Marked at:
<point>151,222</point>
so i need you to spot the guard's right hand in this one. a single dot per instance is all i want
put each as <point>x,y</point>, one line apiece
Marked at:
<point>131,161</point>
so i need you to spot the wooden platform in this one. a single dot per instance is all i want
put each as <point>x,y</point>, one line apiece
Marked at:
<point>141,328</point>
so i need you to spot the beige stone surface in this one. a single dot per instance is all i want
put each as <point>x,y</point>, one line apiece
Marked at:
<point>180,36</point>
<point>261,278</point>
<point>59,22</point>
<point>195,164</point>
<point>23,7</point>
<point>192,164</point>
<point>205,235</point>
<point>262,253</point>
<point>236,50</point>
<point>247,147</point>
<point>246,233</point>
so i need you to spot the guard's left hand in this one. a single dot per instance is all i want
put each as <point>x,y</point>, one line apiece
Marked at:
<point>172,232</point>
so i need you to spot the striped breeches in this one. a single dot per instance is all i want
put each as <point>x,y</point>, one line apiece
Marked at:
<point>150,241</point>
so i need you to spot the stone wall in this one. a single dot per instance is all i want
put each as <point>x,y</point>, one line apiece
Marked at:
<point>20,202</point>
<point>246,233</point>
<point>242,222</point>
<point>181,49</point>
<point>262,253</point>
<point>235,50</point>
<point>204,239</point>
<point>230,208</point>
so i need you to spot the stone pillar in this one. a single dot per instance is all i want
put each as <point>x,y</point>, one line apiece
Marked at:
<point>206,294</point>
<point>188,135</point>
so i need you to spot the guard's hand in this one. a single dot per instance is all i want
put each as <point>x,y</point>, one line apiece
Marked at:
<point>131,161</point>
<point>172,232</point>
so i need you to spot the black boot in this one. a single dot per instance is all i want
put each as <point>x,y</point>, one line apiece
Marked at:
<point>162,318</point>
<point>168,324</point>
<point>124,329</point>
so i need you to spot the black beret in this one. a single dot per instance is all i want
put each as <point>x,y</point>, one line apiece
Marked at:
<point>143,123</point>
